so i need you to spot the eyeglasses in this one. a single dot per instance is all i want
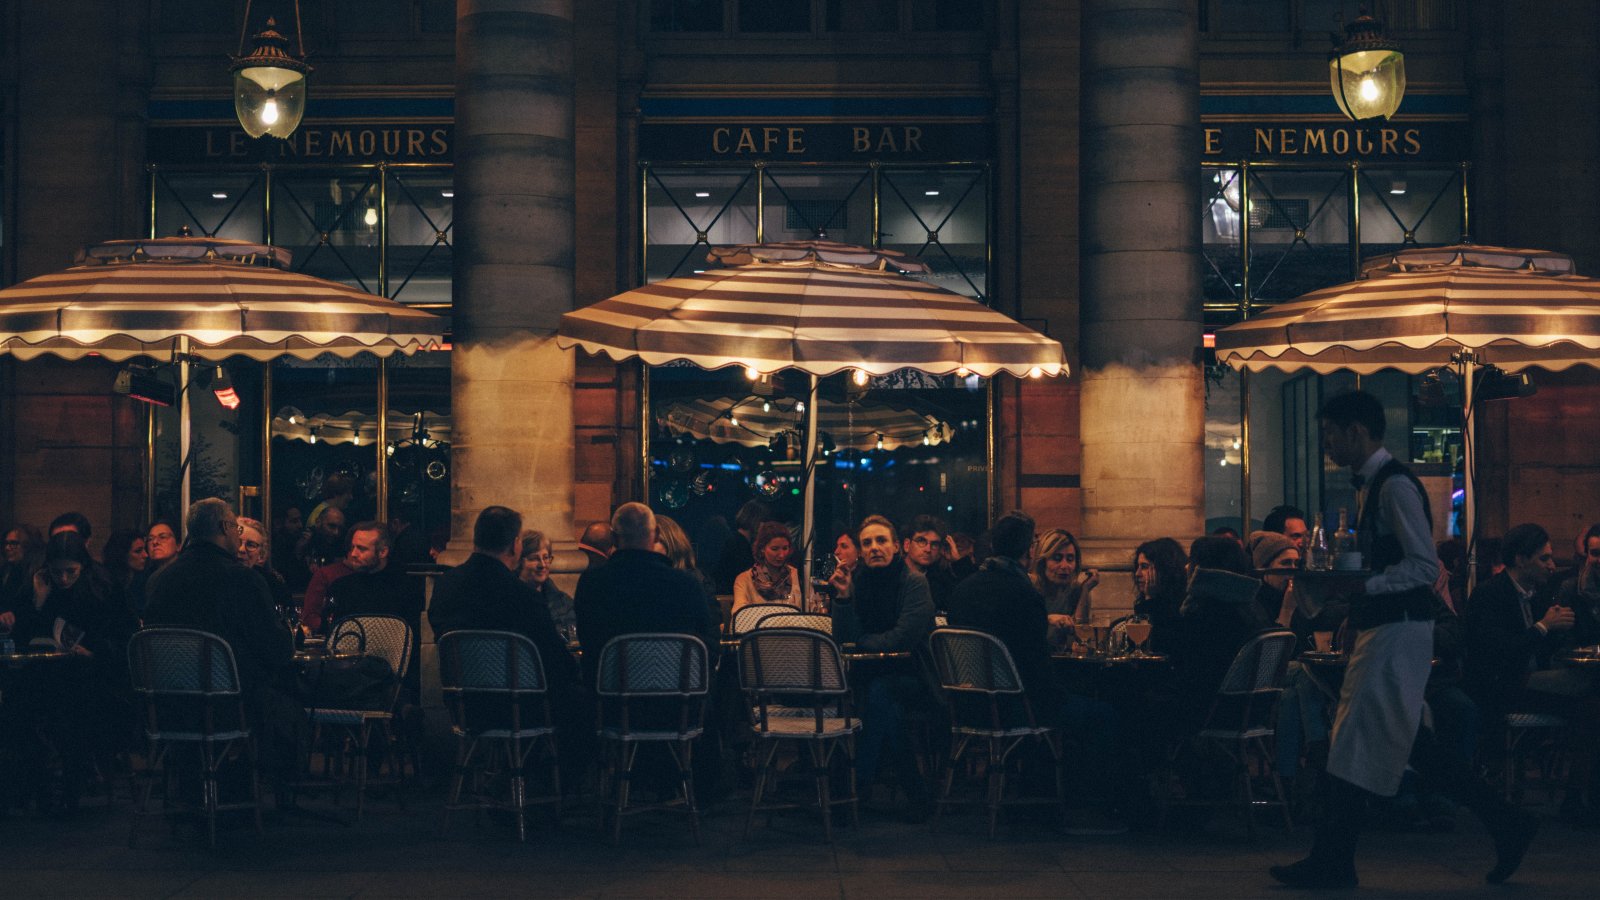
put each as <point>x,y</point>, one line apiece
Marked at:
<point>13,543</point>
<point>253,546</point>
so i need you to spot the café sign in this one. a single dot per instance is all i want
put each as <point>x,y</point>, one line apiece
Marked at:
<point>341,142</point>
<point>1320,140</point>
<point>745,141</point>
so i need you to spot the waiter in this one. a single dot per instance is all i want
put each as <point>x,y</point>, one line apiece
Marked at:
<point>1380,707</point>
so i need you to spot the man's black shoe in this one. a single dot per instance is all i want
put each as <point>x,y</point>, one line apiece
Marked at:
<point>1510,845</point>
<point>1308,874</point>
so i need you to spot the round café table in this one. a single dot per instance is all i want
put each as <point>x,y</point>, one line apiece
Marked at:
<point>1581,657</point>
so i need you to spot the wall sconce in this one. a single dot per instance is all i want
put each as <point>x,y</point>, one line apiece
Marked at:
<point>269,85</point>
<point>1367,71</point>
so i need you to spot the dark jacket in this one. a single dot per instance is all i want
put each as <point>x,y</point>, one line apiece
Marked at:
<point>482,593</point>
<point>1502,648</point>
<point>736,556</point>
<point>1000,599</point>
<point>558,602</point>
<point>888,609</point>
<point>638,591</point>
<point>206,587</point>
<point>1585,605</point>
<point>1219,615</point>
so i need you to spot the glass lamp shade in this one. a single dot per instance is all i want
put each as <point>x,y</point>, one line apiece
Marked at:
<point>269,100</point>
<point>1368,84</point>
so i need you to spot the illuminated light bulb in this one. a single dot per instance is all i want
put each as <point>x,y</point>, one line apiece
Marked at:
<point>1035,372</point>
<point>389,450</point>
<point>1224,461</point>
<point>963,372</point>
<point>734,421</point>
<point>269,112</point>
<point>1237,443</point>
<point>291,420</point>
<point>371,218</point>
<point>860,377</point>
<point>313,437</point>
<point>880,442</point>
<point>800,407</point>
<point>766,406</point>
<point>355,438</point>
<point>927,441</point>
<point>1369,89</point>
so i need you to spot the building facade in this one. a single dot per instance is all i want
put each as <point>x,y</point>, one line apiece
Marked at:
<point>1124,175</point>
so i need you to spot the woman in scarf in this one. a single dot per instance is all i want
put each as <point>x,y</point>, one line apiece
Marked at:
<point>771,579</point>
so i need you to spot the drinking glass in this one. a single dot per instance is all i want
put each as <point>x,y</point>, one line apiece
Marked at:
<point>1138,631</point>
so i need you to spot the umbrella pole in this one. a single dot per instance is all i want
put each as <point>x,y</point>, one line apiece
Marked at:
<point>185,427</point>
<point>808,523</point>
<point>1469,505</point>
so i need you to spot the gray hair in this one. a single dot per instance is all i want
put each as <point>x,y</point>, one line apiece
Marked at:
<point>247,522</point>
<point>205,518</point>
<point>634,526</point>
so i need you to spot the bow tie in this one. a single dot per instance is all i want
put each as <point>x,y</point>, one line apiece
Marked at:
<point>1358,481</point>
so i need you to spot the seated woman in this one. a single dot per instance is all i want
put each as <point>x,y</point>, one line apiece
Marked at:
<point>1159,580</point>
<point>124,557</point>
<point>256,553</point>
<point>1065,587</point>
<point>537,553</point>
<point>771,579</point>
<point>673,543</point>
<point>1270,550</point>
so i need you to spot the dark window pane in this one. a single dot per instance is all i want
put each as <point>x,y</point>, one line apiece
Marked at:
<point>863,15</point>
<point>438,16</point>
<point>198,17</point>
<point>372,16</point>
<point>1257,15</point>
<point>774,15</point>
<point>686,15</point>
<point>947,15</point>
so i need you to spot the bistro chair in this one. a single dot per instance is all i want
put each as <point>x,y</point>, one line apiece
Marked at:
<point>987,703</point>
<point>382,638</point>
<point>745,618</point>
<point>1241,722</point>
<point>499,701</point>
<point>808,621</point>
<point>1533,736</point>
<point>651,688</point>
<point>795,681</point>
<point>190,687</point>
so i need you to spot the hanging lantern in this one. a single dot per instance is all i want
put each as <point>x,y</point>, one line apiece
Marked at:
<point>269,85</point>
<point>1367,71</point>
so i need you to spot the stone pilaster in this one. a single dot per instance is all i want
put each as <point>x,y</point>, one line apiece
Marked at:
<point>1142,409</point>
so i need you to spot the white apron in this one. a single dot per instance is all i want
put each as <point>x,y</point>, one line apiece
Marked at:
<point>1380,706</point>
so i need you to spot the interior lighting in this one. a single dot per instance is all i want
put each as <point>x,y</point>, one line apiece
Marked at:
<point>269,85</point>
<point>860,377</point>
<point>371,217</point>
<point>1367,71</point>
<point>219,195</point>
<point>702,194</point>
<point>447,194</point>
<point>752,373</point>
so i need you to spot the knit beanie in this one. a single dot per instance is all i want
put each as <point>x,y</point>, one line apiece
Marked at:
<point>1264,547</point>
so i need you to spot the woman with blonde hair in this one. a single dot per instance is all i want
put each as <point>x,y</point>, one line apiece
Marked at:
<point>770,579</point>
<point>1065,585</point>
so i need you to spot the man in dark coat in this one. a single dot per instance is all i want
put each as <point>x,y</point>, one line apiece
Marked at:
<point>882,605</point>
<point>205,587</point>
<point>637,590</point>
<point>376,588</point>
<point>1510,633</point>
<point>485,593</point>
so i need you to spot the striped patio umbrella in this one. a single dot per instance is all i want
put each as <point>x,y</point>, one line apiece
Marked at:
<point>204,297</point>
<point>754,422</point>
<point>1463,306</point>
<point>815,306</point>
<point>188,298</point>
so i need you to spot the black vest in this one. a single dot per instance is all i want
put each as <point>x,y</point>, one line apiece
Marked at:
<point>1380,547</point>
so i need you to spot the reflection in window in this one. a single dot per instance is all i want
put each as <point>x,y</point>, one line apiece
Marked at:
<point>946,15</point>
<point>863,15</point>
<point>220,204</point>
<point>774,15</point>
<point>686,15</point>
<point>332,225</point>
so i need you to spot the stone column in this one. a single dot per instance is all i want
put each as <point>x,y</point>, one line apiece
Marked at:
<point>1142,409</point>
<point>514,192</point>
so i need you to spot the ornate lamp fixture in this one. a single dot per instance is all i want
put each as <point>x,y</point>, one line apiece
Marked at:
<point>1367,71</point>
<point>269,85</point>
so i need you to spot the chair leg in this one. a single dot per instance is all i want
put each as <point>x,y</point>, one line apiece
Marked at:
<point>555,776</point>
<point>519,786</point>
<point>629,750</point>
<point>1270,760</point>
<point>763,767</point>
<point>855,794</point>
<point>819,764</point>
<point>209,791</point>
<point>686,778</point>
<point>1058,758</point>
<point>255,780</point>
<point>1249,791</point>
<point>997,785</point>
<point>958,746</point>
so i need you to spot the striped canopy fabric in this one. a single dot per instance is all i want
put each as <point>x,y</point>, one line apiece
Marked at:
<point>1414,309</point>
<point>223,298</point>
<point>791,307</point>
<point>856,426</point>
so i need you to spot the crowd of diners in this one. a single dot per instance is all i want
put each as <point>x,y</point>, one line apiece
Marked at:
<point>887,586</point>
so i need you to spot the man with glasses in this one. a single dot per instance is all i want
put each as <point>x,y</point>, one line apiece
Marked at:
<point>923,549</point>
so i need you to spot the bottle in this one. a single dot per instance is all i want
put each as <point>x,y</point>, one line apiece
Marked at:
<point>8,647</point>
<point>1319,553</point>
<point>1346,554</point>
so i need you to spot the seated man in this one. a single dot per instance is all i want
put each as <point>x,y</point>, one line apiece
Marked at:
<point>484,593</point>
<point>1510,637</point>
<point>1289,521</point>
<point>206,587</point>
<point>597,543</point>
<point>882,605</point>
<point>376,588</point>
<point>923,549</point>
<point>1001,600</point>
<point>637,590</point>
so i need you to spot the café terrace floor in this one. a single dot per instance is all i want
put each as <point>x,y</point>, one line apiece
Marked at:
<point>394,854</point>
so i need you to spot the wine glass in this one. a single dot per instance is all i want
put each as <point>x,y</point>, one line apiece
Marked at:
<point>1138,631</point>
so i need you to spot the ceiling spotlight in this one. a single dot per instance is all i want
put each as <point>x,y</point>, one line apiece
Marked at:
<point>447,194</point>
<point>930,193</point>
<point>219,195</point>
<point>702,194</point>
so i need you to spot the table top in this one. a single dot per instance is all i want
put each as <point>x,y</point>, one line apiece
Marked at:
<point>23,657</point>
<point>1121,659</point>
<point>850,652</point>
<point>1581,656</point>
<point>318,654</point>
<point>1325,658</point>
